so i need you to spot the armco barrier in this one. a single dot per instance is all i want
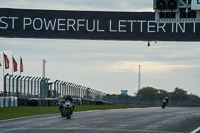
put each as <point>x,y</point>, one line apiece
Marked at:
<point>8,101</point>
<point>53,102</point>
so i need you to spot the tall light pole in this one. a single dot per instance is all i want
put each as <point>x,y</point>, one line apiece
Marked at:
<point>139,79</point>
<point>43,68</point>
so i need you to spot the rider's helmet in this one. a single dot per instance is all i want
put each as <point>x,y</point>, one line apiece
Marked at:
<point>60,97</point>
<point>68,97</point>
<point>64,97</point>
<point>166,97</point>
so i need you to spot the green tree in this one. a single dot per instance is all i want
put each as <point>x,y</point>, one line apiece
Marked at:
<point>194,98</point>
<point>151,94</point>
<point>179,94</point>
<point>147,94</point>
<point>162,94</point>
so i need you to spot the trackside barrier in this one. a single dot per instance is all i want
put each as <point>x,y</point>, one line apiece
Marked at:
<point>8,101</point>
<point>1,102</point>
<point>53,102</point>
<point>42,102</point>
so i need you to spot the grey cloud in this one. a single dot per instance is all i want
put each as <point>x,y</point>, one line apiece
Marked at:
<point>107,5</point>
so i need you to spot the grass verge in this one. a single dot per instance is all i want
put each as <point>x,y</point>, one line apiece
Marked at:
<point>23,111</point>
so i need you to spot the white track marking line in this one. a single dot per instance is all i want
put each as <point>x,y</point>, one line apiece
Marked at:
<point>196,130</point>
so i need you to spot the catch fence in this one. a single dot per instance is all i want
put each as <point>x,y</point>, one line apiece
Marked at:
<point>134,101</point>
<point>25,87</point>
<point>42,91</point>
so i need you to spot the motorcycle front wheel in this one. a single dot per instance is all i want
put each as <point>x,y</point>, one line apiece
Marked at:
<point>163,106</point>
<point>61,112</point>
<point>68,114</point>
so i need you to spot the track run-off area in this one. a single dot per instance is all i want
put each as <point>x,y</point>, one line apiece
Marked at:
<point>134,120</point>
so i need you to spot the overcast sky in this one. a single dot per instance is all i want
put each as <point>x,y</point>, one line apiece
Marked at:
<point>107,66</point>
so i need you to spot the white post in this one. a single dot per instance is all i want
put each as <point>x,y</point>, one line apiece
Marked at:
<point>12,65</point>
<point>139,79</point>
<point>3,72</point>
<point>43,63</point>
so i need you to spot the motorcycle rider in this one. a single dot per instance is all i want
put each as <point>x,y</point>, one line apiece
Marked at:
<point>68,97</point>
<point>166,100</point>
<point>60,102</point>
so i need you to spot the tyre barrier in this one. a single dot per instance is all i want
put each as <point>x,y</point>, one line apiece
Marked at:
<point>8,101</point>
<point>42,102</point>
<point>13,101</point>
<point>53,102</point>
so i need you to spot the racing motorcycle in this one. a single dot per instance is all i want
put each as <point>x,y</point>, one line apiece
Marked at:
<point>67,109</point>
<point>164,104</point>
<point>61,105</point>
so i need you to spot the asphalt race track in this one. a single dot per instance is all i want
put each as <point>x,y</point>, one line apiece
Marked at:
<point>146,120</point>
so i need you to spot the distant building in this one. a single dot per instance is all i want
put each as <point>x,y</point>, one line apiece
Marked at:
<point>124,92</point>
